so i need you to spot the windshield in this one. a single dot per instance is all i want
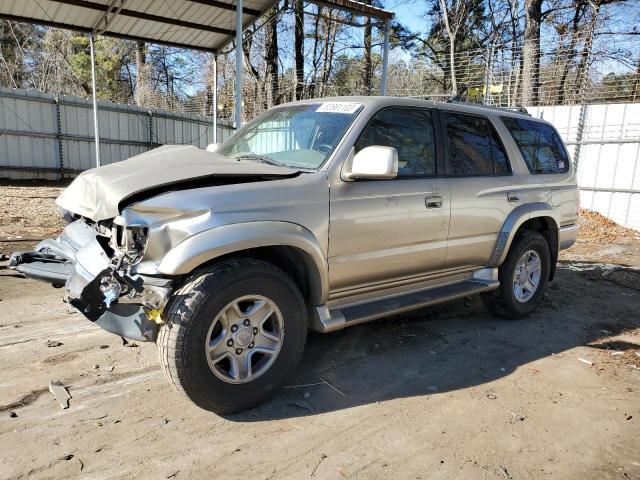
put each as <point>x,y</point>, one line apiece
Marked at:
<point>300,136</point>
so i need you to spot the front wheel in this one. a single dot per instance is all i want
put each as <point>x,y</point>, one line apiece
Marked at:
<point>523,277</point>
<point>233,334</point>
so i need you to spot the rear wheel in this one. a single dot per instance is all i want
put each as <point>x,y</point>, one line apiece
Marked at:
<point>523,277</point>
<point>233,334</point>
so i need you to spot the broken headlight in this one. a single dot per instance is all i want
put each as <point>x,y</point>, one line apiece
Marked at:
<point>67,216</point>
<point>130,240</point>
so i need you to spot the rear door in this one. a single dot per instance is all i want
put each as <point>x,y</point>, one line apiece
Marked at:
<point>484,189</point>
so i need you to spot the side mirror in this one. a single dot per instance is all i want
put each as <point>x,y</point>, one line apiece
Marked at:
<point>372,163</point>
<point>213,147</point>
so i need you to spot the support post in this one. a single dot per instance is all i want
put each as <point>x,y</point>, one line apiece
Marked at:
<point>385,58</point>
<point>214,99</point>
<point>238,64</point>
<point>582,118</point>
<point>96,130</point>
<point>59,137</point>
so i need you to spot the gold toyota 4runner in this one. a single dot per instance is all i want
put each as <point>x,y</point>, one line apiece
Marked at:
<point>319,215</point>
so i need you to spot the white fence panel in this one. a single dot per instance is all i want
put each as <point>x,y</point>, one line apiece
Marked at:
<point>609,156</point>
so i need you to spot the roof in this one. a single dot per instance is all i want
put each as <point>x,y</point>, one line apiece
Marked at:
<point>377,101</point>
<point>197,24</point>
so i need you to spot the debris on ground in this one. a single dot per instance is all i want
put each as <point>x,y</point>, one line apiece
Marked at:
<point>60,392</point>
<point>504,471</point>
<point>54,343</point>
<point>322,457</point>
<point>302,404</point>
<point>333,387</point>
<point>595,228</point>
<point>517,416</point>
<point>13,414</point>
<point>28,212</point>
<point>584,360</point>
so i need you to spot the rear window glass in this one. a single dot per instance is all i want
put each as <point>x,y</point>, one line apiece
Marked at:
<point>539,144</point>
<point>474,148</point>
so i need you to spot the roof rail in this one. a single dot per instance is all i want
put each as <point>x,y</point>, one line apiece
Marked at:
<point>458,99</point>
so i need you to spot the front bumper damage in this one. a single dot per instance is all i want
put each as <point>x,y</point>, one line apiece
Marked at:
<point>97,282</point>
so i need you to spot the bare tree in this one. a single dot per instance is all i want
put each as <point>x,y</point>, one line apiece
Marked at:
<point>531,52</point>
<point>299,47</point>
<point>271,58</point>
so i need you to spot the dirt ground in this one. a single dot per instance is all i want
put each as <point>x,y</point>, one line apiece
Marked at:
<point>447,392</point>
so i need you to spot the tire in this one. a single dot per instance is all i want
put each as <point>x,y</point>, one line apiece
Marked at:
<point>194,320</point>
<point>503,302</point>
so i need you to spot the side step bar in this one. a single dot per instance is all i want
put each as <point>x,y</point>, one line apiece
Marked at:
<point>326,320</point>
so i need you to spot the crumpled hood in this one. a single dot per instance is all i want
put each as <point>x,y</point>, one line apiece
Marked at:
<point>97,193</point>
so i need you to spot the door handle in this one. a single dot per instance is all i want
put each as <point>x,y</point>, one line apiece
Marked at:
<point>513,196</point>
<point>434,201</point>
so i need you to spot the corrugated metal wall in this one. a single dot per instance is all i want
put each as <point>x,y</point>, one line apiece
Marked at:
<point>42,136</point>
<point>604,141</point>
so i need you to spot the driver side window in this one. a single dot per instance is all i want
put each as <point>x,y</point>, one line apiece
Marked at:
<point>410,131</point>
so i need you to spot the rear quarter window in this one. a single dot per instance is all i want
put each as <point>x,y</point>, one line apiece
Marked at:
<point>539,144</point>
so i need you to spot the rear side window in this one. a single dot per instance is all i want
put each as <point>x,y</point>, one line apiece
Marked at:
<point>539,144</point>
<point>474,147</point>
<point>410,131</point>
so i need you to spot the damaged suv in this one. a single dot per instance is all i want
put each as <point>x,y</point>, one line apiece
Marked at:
<point>319,215</point>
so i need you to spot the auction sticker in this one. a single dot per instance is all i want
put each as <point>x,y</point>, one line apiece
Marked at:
<point>339,107</point>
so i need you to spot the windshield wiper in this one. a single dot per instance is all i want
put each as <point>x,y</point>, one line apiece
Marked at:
<point>258,158</point>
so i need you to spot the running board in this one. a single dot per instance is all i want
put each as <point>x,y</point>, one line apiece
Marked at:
<point>326,320</point>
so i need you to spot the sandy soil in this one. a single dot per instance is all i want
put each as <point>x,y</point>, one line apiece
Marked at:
<point>448,392</point>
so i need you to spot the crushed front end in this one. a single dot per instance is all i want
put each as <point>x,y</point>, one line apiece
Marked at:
<point>95,263</point>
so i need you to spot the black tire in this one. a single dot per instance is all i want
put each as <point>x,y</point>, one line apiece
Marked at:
<point>503,302</point>
<point>190,313</point>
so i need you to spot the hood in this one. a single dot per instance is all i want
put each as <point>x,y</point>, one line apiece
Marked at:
<point>98,193</point>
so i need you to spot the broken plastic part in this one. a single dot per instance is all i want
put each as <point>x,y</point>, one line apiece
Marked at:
<point>111,289</point>
<point>155,316</point>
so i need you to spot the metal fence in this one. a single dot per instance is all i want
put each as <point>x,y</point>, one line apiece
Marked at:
<point>604,141</point>
<point>43,136</point>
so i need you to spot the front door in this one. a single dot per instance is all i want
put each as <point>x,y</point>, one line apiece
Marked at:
<point>387,230</point>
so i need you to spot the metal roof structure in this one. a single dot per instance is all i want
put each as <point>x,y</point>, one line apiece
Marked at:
<point>208,25</point>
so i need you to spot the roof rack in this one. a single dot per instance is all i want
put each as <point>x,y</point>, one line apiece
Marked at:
<point>458,99</point>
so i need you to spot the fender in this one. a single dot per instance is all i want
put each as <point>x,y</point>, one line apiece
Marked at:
<point>202,247</point>
<point>513,222</point>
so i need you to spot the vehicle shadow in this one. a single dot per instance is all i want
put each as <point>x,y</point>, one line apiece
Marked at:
<point>449,347</point>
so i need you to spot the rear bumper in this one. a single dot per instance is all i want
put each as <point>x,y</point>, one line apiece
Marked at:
<point>567,236</point>
<point>95,284</point>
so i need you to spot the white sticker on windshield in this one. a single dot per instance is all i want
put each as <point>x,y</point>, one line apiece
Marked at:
<point>339,107</point>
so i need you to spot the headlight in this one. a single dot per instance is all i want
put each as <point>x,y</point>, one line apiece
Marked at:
<point>130,240</point>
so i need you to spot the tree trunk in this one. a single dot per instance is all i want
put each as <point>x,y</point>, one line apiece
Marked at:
<point>575,31</point>
<point>314,56</point>
<point>272,61</point>
<point>531,53</point>
<point>452,47</point>
<point>368,65</point>
<point>299,48</point>
<point>142,77</point>
<point>585,55</point>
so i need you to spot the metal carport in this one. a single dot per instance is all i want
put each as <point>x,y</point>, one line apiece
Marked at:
<point>207,25</point>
